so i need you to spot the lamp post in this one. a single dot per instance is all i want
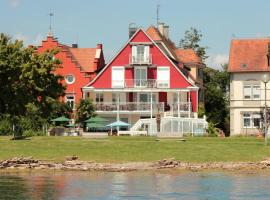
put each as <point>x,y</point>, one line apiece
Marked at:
<point>265,80</point>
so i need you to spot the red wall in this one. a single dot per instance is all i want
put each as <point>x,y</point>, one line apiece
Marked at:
<point>177,79</point>
<point>122,59</point>
<point>194,100</point>
<point>68,68</point>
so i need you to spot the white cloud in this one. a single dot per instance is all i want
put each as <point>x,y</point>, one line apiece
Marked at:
<point>29,40</point>
<point>216,60</point>
<point>14,3</point>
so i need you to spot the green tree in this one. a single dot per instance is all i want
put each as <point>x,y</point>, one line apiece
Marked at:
<point>85,110</point>
<point>191,40</point>
<point>216,83</point>
<point>28,82</point>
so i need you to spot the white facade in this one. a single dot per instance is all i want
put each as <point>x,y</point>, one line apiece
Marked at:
<point>247,100</point>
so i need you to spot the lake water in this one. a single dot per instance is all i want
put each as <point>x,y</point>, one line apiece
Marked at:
<point>167,185</point>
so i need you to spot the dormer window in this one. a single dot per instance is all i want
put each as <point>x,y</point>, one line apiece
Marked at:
<point>140,54</point>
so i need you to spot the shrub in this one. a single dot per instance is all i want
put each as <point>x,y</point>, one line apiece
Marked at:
<point>212,131</point>
<point>30,133</point>
<point>5,127</point>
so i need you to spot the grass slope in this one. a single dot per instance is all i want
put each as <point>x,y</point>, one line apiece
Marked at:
<point>123,149</point>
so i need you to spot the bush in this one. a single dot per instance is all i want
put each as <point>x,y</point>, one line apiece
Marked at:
<point>30,133</point>
<point>5,127</point>
<point>212,131</point>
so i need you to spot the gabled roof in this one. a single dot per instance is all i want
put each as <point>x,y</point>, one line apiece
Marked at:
<point>85,57</point>
<point>249,55</point>
<point>185,56</point>
<point>188,56</point>
<point>130,39</point>
<point>165,44</point>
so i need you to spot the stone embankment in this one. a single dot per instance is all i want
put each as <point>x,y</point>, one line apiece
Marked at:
<point>72,163</point>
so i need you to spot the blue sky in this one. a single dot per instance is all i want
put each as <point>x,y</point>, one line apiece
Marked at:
<point>106,21</point>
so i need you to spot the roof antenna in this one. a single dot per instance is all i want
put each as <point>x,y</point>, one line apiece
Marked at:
<point>158,14</point>
<point>50,27</point>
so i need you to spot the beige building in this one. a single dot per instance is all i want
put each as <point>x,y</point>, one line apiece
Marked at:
<point>249,62</point>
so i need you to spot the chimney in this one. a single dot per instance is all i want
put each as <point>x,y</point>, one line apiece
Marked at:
<point>166,31</point>
<point>74,45</point>
<point>99,46</point>
<point>132,28</point>
<point>161,28</point>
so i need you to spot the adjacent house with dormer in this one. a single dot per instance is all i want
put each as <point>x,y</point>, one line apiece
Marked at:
<point>249,61</point>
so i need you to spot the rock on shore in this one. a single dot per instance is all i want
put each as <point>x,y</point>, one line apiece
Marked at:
<point>72,163</point>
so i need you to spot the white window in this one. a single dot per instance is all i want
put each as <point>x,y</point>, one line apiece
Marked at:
<point>256,92</point>
<point>251,120</point>
<point>256,120</point>
<point>247,120</point>
<point>163,77</point>
<point>247,92</point>
<point>70,79</point>
<point>99,98</point>
<point>118,77</point>
<point>70,100</point>
<point>146,97</point>
<point>252,92</point>
<point>140,76</point>
<point>140,54</point>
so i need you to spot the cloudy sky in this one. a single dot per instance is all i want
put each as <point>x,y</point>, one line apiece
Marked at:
<point>89,22</point>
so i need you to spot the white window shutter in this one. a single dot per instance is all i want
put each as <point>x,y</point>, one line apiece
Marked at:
<point>163,77</point>
<point>146,53</point>
<point>118,77</point>
<point>134,53</point>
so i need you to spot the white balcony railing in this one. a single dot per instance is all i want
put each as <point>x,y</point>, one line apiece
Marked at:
<point>140,83</point>
<point>130,106</point>
<point>140,59</point>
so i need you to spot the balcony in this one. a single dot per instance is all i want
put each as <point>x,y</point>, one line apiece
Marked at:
<point>130,107</point>
<point>140,83</point>
<point>140,59</point>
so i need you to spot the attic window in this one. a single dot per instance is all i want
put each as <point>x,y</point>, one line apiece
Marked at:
<point>244,65</point>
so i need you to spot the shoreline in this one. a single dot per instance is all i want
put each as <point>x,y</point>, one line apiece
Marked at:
<point>19,163</point>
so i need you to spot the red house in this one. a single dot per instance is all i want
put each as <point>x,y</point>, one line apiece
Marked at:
<point>79,66</point>
<point>145,79</point>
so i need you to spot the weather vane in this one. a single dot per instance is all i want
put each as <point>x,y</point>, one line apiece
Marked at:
<point>50,28</point>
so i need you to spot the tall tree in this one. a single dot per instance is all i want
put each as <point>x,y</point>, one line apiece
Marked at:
<point>27,78</point>
<point>216,83</point>
<point>191,40</point>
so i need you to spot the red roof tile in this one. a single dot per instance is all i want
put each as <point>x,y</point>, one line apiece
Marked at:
<point>85,57</point>
<point>153,33</point>
<point>249,55</point>
<point>188,56</point>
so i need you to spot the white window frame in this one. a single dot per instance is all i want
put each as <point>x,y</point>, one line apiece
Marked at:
<point>252,91</point>
<point>66,79</point>
<point>142,57</point>
<point>154,96</point>
<point>162,83</point>
<point>99,96</point>
<point>68,101</point>
<point>252,117</point>
<point>142,82</point>
<point>248,118</point>
<point>115,82</point>
<point>257,90</point>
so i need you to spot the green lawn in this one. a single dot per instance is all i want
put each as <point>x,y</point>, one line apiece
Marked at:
<point>122,149</point>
